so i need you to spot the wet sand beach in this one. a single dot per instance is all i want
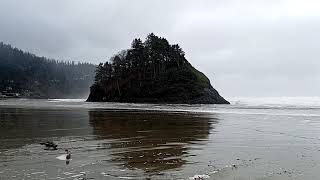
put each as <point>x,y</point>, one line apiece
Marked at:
<point>145,141</point>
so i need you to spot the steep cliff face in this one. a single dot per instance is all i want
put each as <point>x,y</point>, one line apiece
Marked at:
<point>152,72</point>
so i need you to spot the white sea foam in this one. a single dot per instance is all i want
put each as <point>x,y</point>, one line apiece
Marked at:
<point>277,101</point>
<point>199,177</point>
<point>66,100</point>
<point>278,106</point>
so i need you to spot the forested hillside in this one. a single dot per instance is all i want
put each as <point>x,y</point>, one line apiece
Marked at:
<point>38,77</point>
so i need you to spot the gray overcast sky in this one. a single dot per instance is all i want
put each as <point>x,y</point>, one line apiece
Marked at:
<point>246,48</point>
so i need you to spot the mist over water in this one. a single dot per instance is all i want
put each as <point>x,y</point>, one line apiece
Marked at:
<point>261,139</point>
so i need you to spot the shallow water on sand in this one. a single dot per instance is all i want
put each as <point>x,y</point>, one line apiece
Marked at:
<point>141,141</point>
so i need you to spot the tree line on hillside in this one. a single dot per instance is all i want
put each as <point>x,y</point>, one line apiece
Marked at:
<point>32,76</point>
<point>147,60</point>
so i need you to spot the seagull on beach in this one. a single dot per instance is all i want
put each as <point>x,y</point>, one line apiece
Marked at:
<point>68,156</point>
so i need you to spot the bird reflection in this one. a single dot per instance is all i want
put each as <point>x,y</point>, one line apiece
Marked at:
<point>151,141</point>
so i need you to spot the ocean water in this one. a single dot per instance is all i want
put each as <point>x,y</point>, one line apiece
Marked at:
<point>253,138</point>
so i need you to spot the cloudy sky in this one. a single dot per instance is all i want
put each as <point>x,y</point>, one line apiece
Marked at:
<point>246,48</point>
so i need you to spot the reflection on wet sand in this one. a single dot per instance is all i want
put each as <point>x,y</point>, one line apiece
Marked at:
<point>151,141</point>
<point>19,126</point>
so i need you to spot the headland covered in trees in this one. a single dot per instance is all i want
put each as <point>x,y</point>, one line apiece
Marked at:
<point>152,71</point>
<point>23,74</point>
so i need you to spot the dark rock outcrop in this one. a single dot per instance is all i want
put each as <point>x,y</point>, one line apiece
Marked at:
<point>152,72</point>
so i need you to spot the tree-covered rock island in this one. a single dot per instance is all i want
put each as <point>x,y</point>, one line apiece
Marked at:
<point>152,71</point>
